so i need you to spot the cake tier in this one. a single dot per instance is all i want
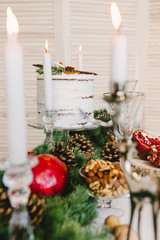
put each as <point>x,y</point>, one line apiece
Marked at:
<point>73,100</point>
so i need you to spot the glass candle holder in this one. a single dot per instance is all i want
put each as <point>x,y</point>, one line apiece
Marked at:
<point>48,119</point>
<point>18,178</point>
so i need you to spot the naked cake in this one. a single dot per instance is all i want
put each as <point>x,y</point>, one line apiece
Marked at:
<point>73,98</point>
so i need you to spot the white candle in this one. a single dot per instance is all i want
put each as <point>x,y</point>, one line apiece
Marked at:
<point>119,50</point>
<point>13,58</point>
<point>47,78</point>
<point>80,59</point>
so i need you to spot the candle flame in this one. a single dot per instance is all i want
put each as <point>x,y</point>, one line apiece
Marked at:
<point>80,48</point>
<point>116,16</point>
<point>46,45</point>
<point>12,22</point>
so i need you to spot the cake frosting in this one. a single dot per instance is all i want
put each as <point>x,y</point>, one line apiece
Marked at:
<point>73,100</point>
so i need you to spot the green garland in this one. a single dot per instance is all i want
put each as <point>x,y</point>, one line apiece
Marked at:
<point>66,216</point>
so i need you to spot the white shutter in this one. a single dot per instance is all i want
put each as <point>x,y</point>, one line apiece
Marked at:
<point>153,61</point>
<point>36,20</point>
<point>91,26</point>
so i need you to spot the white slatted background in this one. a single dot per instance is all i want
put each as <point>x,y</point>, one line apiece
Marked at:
<point>91,26</point>
<point>85,22</point>
<point>153,89</point>
<point>36,21</point>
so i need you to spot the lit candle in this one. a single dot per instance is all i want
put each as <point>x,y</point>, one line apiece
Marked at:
<point>119,51</point>
<point>13,58</point>
<point>80,59</point>
<point>47,78</point>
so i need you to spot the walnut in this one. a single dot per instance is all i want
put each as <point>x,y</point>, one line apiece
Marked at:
<point>111,222</point>
<point>106,192</point>
<point>90,165</point>
<point>121,232</point>
<point>114,173</point>
<point>95,185</point>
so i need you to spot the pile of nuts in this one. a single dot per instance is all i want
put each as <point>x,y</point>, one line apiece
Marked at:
<point>104,178</point>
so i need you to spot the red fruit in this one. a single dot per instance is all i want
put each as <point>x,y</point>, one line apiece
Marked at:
<point>155,158</point>
<point>146,143</point>
<point>49,176</point>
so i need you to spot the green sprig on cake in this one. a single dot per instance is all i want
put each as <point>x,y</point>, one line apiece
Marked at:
<point>58,69</point>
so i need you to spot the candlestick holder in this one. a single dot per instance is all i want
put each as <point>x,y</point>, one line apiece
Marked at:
<point>48,119</point>
<point>139,186</point>
<point>18,178</point>
<point>123,108</point>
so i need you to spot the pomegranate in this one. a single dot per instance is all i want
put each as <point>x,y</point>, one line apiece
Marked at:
<point>49,176</point>
<point>154,158</point>
<point>146,144</point>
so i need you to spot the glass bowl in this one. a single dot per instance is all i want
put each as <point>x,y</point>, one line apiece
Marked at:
<point>105,185</point>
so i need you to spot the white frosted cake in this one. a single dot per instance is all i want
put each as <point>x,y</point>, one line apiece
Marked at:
<point>73,100</point>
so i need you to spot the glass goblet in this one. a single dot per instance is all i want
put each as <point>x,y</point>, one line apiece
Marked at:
<point>126,112</point>
<point>130,85</point>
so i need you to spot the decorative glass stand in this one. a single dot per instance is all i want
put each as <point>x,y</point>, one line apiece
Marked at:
<point>139,186</point>
<point>105,206</point>
<point>48,119</point>
<point>49,127</point>
<point>17,178</point>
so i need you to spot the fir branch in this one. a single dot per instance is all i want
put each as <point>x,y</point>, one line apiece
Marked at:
<point>79,158</point>
<point>4,230</point>
<point>100,113</point>
<point>64,218</point>
<point>59,136</point>
<point>82,208</point>
<point>1,182</point>
<point>41,149</point>
<point>74,179</point>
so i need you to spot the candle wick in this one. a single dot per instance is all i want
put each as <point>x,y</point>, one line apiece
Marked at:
<point>46,50</point>
<point>119,31</point>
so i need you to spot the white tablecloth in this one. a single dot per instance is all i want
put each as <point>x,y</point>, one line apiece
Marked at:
<point>124,204</point>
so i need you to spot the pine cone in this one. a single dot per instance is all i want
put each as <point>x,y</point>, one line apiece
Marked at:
<point>110,151</point>
<point>5,207</point>
<point>35,208</point>
<point>63,153</point>
<point>83,144</point>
